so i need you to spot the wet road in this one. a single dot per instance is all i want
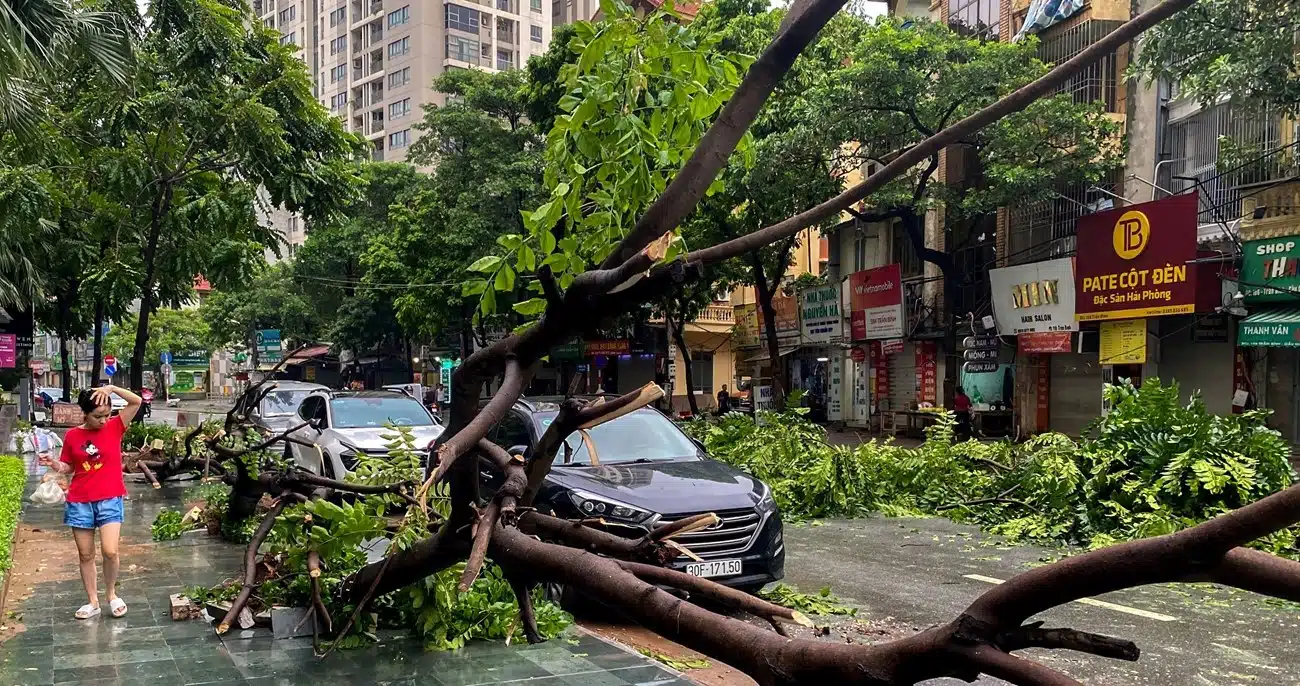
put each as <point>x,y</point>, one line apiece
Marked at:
<point>925,571</point>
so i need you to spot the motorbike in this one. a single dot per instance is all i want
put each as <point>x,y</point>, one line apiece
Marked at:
<point>146,405</point>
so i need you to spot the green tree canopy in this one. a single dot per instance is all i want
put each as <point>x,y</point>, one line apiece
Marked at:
<point>272,300</point>
<point>174,331</point>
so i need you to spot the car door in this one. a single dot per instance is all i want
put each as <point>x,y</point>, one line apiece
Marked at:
<point>511,432</point>
<point>311,408</point>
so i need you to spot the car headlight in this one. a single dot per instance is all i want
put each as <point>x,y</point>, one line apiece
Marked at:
<point>593,505</point>
<point>766,503</point>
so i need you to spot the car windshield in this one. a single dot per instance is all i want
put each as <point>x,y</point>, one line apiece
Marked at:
<point>642,436</point>
<point>281,403</point>
<point>358,413</point>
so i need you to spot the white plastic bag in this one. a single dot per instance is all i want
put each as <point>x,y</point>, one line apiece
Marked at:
<point>48,493</point>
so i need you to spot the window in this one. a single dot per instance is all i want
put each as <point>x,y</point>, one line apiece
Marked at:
<point>512,432</point>
<point>399,47</point>
<point>503,5</point>
<point>338,101</point>
<point>535,5</point>
<point>288,14</point>
<point>313,408</point>
<point>399,17</point>
<point>463,49</point>
<point>338,73</point>
<point>978,17</point>
<point>269,22</point>
<point>338,45</point>
<point>535,32</point>
<point>635,437</point>
<point>399,109</point>
<point>338,16</point>
<point>286,39</point>
<point>505,60</point>
<point>903,253</point>
<point>462,18</point>
<point>401,139</point>
<point>702,372</point>
<point>399,78</point>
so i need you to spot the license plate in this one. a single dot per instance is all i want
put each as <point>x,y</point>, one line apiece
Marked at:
<point>714,568</point>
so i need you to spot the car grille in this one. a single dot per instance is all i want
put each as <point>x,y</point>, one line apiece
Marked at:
<point>736,535</point>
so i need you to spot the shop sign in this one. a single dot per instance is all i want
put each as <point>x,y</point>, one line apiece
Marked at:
<point>193,358</point>
<point>567,351</point>
<point>927,372</point>
<point>38,367</point>
<point>268,346</point>
<point>876,303</point>
<point>745,332</point>
<point>834,402</point>
<point>973,355</point>
<point>1124,342</point>
<point>1033,298</point>
<point>1211,328</point>
<point>879,376</point>
<point>786,311</point>
<point>1133,261</point>
<point>857,354</point>
<point>612,346</point>
<point>1280,329</point>
<point>980,367</point>
<point>762,397</point>
<point>1049,342</point>
<point>1240,382</point>
<point>67,414</point>
<point>8,351</point>
<point>820,314</point>
<point>892,347</point>
<point>981,343</point>
<point>1270,270</point>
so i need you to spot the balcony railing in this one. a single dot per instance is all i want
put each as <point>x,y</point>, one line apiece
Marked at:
<point>713,314</point>
<point>1271,212</point>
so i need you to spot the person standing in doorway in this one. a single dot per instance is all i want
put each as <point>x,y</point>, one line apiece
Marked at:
<point>92,454</point>
<point>961,406</point>
<point>724,400</point>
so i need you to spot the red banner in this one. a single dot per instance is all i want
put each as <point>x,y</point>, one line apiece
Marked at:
<point>876,303</point>
<point>927,372</point>
<point>1043,392</point>
<point>892,347</point>
<point>1133,261</point>
<point>617,346</point>
<point>880,389</point>
<point>1044,342</point>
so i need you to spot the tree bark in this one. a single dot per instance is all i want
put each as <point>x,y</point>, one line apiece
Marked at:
<point>148,299</point>
<point>686,369</point>
<point>98,346</point>
<point>65,375</point>
<point>766,292</point>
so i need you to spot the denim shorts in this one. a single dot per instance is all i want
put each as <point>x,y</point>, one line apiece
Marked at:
<point>93,515</point>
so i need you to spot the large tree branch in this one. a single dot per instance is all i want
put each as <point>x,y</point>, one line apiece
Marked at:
<point>805,20</point>
<point>1014,102</point>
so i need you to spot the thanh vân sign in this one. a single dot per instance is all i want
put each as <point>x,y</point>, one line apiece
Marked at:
<point>1134,261</point>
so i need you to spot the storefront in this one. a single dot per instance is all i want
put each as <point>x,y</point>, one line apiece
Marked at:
<point>188,377</point>
<point>1055,387</point>
<point>817,367</point>
<point>1268,337</point>
<point>876,326</point>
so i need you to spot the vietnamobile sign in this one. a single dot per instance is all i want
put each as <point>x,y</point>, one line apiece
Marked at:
<point>876,303</point>
<point>1133,261</point>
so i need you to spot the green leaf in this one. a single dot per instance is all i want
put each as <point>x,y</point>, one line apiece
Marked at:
<point>505,280</point>
<point>546,241</point>
<point>486,263</point>
<point>527,259</point>
<point>510,241</point>
<point>473,287</point>
<point>531,307</point>
<point>557,261</point>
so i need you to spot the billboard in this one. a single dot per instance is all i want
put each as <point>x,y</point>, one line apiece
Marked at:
<point>745,332</point>
<point>1134,261</point>
<point>1270,270</point>
<point>876,303</point>
<point>1034,298</point>
<point>820,313</point>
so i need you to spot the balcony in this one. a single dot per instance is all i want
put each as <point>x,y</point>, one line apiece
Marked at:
<point>1271,213</point>
<point>716,318</point>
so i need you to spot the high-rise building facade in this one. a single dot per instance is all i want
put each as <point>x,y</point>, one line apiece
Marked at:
<point>373,62</point>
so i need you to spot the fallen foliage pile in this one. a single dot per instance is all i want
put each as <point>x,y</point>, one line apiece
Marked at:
<point>1151,466</point>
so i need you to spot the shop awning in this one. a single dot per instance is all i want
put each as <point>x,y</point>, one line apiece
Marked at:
<point>308,354</point>
<point>762,356</point>
<point>1276,327</point>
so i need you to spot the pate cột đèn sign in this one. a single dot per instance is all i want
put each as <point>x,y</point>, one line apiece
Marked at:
<point>1134,261</point>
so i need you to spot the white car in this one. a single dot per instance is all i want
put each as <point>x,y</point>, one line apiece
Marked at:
<point>345,424</point>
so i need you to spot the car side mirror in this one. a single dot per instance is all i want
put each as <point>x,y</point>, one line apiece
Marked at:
<point>317,422</point>
<point>520,450</point>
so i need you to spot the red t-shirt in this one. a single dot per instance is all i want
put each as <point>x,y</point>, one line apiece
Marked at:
<point>961,403</point>
<point>96,459</point>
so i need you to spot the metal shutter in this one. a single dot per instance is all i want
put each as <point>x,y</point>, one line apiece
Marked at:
<point>1075,398</point>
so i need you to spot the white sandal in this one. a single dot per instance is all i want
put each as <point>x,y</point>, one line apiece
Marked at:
<point>87,611</point>
<point>117,607</point>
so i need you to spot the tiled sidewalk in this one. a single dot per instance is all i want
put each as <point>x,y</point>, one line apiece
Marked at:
<point>147,647</point>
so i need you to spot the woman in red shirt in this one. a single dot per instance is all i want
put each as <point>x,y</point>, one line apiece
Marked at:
<point>92,454</point>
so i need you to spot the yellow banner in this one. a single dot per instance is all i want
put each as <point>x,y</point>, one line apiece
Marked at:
<point>1124,342</point>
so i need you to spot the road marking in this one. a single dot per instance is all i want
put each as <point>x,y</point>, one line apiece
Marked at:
<point>1090,601</point>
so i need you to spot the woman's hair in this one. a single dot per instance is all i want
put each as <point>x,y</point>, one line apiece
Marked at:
<point>86,401</point>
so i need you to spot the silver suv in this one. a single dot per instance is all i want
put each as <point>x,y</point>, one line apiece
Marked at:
<point>346,424</point>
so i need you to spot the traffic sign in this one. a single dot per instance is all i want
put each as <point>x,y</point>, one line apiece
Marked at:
<point>110,361</point>
<point>980,355</point>
<point>166,358</point>
<point>268,339</point>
